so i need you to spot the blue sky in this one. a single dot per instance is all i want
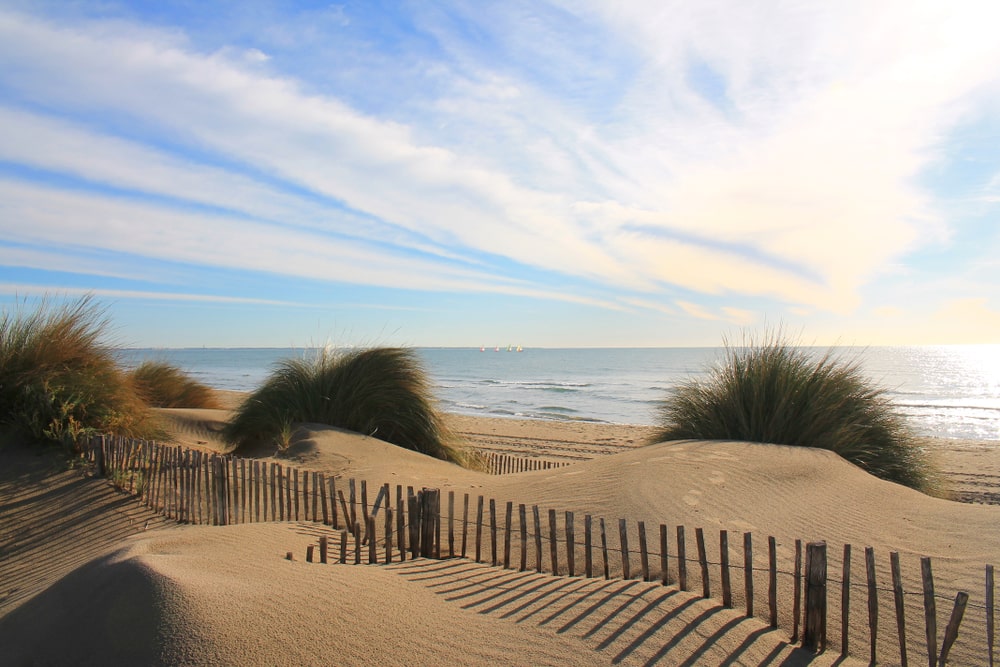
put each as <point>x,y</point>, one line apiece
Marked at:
<point>467,173</point>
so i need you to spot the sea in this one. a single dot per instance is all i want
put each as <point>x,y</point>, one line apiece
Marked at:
<point>943,391</point>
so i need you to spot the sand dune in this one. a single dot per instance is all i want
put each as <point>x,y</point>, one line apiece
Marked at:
<point>226,594</point>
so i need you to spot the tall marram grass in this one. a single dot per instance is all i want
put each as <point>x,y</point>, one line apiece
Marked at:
<point>381,392</point>
<point>59,380</point>
<point>770,391</point>
<point>163,385</point>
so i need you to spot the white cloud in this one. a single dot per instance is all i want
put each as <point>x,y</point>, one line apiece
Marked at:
<point>791,175</point>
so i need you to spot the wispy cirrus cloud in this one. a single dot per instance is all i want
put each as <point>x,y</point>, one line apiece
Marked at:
<point>603,155</point>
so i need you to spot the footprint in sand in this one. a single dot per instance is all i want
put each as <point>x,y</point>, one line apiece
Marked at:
<point>717,477</point>
<point>692,498</point>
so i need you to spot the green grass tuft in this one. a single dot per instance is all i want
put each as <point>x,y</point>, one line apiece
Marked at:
<point>163,385</point>
<point>381,392</point>
<point>59,381</point>
<point>772,392</point>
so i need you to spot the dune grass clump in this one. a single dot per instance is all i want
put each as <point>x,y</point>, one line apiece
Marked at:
<point>59,381</point>
<point>163,385</point>
<point>773,392</point>
<point>381,392</point>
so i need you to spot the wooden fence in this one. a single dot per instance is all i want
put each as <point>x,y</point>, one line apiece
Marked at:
<point>194,487</point>
<point>505,464</point>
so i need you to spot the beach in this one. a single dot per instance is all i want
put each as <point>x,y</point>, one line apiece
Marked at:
<point>109,577</point>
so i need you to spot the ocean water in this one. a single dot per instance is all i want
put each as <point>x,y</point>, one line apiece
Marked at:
<point>947,391</point>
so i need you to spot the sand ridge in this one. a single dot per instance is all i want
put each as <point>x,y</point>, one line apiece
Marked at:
<point>214,594</point>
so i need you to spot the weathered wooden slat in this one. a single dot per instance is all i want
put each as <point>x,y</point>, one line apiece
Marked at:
<point>990,622</point>
<point>897,594</point>
<point>643,551</point>
<point>553,544</point>
<point>772,581</point>
<point>727,589</point>
<point>706,589</point>
<point>814,630</point>
<point>465,523</point>
<point>493,532</point>
<point>682,578</point>
<point>324,498</point>
<point>872,603</point>
<point>451,524</point>
<point>797,586</point>
<point>664,559</point>
<point>508,520</point>
<point>334,519</point>
<point>522,516</point>
<point>538,538</point>
<point>845,601</point>
<point>400,524</point>
<point>930,610</point>
<point>604,550</point>
<point>274,492</point>
<point>748,572</point>
<point>372,542</point>
<point>323,547</point>
<point>352,496</point>
<point>588,544</point>
<point>570,544</point>
<point>479,529</point>
<point>951,632</point>
<point>623,542</point>
<point>343,546</point>
<point>357,543</point>
<point>388,534</point>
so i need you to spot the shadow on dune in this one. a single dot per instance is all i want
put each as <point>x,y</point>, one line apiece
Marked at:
<point>631,622</point>
<point>105,609</point>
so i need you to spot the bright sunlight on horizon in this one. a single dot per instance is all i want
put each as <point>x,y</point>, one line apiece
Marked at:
<point>549,173</point>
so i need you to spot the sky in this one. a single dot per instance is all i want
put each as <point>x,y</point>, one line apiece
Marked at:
<point>548,174</point>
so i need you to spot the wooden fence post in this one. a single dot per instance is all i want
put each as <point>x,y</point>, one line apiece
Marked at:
<point>872,601</point>
<point>706,590</point>
<point>388,532</point>
<point>990,628</point>
<point>664,570</point>
<point>508,519</point>
<point>538,538</point>
<point>588,544</point>
<point>465,522</point>
<point>429,521</point>
<point>682,576</point>
<point>623,537</point>
<point>727,590</point>
<point>930,610</point>
<point>643,551</point>
<point>323,546</point>
<point>845,601</point>
<point>772,581</point>
<point>522,515</point>
<point>493,532</point>
<point>451,524</point>
<point>814,632</point>
<point>797,602</point>
<point>479,529</point>
<point>604,550</point>
<point>553,545</point>
<point>897,593</point>
<point>951,633</point>
<point>748,572</point>
<point>570,544</point>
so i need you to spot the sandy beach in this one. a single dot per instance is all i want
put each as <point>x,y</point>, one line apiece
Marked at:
<point>115,582</point>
